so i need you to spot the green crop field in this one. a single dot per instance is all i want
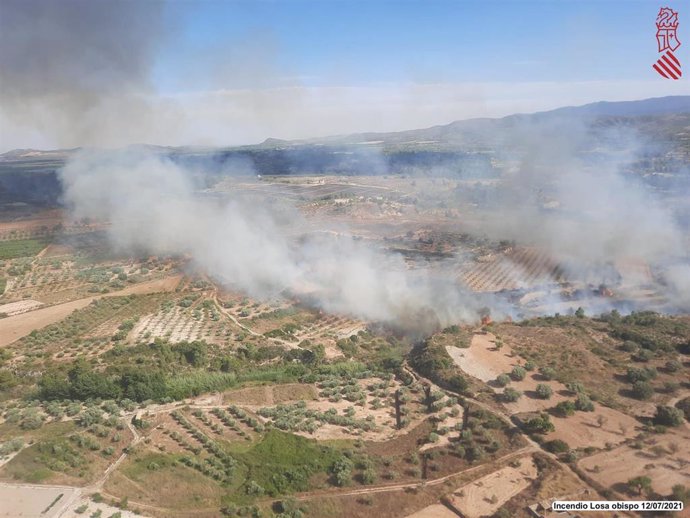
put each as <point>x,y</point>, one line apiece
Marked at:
<point>20,248</point>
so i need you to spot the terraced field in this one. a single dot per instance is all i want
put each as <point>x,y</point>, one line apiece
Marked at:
<point>201,321</point>
<point>57,279</point>
<point>518,268</point>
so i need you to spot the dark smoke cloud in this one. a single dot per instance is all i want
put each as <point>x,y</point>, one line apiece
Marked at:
<point>79,67</point>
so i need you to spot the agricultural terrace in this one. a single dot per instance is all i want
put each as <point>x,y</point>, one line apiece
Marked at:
<point>603,393</point>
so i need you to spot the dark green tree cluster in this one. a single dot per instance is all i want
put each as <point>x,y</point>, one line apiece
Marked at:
<point>432,361</point>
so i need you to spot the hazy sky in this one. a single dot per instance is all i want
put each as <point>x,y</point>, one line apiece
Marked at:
<point>77,72</point>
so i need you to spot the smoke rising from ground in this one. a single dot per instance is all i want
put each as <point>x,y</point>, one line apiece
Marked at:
<point>573,190</point>
<point>152,206</point>
<point>564,189</point>
<point>570,191</point>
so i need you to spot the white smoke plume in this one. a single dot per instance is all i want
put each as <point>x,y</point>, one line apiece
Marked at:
<point>153,206</point>
<point>573,195</point>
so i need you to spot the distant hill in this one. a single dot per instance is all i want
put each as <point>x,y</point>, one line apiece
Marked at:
<point>461,148</point>
<point>36,154</point>
<point>670,105</point>
<point>478,132</point>
<point>467,131</point>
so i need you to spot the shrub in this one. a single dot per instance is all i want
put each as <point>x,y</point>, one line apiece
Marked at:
<point>671,387</point>
<point>90,417</point>
<point>576,388</point>
<point>540,424</point>
<point>342,471</point>
<point>668,416</point>
<point>680,493</point>
<point>583,403</point>
<point>642,390</point>
<point>630,346</point>
<point>684,406</point>
<point>673,366</point>
<point>556,446</point>
<point>31,421</point>
<point>544,391</point>
<point>368,476</point>
<point>510,395</point>
<point>634,374</point>
<point>254,489</point>
<point>11,446</point>
<point>502,380</point>
<point>640,484</point>
<point>548,373</point>
<point>518,373</point>
<point>643,355</point>
<point>565,408</point>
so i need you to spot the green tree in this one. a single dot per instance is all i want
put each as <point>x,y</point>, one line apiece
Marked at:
<point>540,424</point>
<point>640,484</point>
<point>141,385</point>
<point>53,386</point>
<point>368,476</point>
<point>673,366</point>
<point>642,390</point>
<point>548,373</point>
<point>518,373</point>
<point>668,416</point>
<point>556,446</point>
<point>87,384</point>
<point>583,403</point>
<point>564,408</point>
<point>502,380</point>
<point>680,493</point>
<point>510,395</point>
<point>342,471</point>
<point>7,380</point>
<point>544,391</point>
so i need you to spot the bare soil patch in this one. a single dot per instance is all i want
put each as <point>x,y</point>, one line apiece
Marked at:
<point>15,308</point>
<point>15,327</point>
<point>554,482</point>
<point>583,429</point>
<point>483,497</point>
<point>172,487</point>
<point>293,392</point>
<point>481,359</point>
<point>665,459</point>
<point>434,511</point>
<point>255,396</point>
<point>30,501</point>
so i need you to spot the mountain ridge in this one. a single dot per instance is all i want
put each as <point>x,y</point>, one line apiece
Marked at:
<point>654,106</point>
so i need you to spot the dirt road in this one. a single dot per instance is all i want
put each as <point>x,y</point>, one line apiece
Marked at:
<point>15,327</point>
